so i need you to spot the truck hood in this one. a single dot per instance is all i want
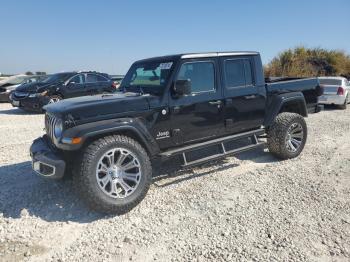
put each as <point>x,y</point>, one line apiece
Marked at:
<point>98,105</point>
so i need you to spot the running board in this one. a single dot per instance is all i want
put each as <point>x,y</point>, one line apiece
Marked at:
<point>228,145</point>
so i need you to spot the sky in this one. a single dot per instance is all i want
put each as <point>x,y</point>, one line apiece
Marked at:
<point>108,36</point>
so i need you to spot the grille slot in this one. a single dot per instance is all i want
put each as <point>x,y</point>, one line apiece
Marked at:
<point>50,122</point>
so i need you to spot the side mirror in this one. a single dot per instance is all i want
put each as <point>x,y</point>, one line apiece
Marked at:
<point>182,87</point>
<point>70,84</point>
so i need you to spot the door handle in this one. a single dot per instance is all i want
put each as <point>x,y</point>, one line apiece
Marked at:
<point>250,97</point>
<point>218,102</point>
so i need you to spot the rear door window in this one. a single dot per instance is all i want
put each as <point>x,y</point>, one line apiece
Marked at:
<point>238,73</point>
<point>101,78</point>
<point>91,78</point>
<point>248,72</point>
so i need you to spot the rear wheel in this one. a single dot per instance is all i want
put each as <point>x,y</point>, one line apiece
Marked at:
<point>287,135</point>
<point>115,174</point>
<point>343,106</point>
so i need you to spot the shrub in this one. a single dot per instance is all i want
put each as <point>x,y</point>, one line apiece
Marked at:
<point>309,62</point>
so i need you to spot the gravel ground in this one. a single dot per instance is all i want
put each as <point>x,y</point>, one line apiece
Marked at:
<point>252,207</point>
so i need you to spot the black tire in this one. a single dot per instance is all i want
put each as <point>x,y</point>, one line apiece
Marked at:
<point>278,135</point>
<point>88,187</point>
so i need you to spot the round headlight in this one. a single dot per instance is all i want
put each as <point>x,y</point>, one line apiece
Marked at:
<point>58,128</point>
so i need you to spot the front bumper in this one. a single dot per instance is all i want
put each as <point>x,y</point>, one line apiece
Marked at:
<point>30,103</point>
<point>45,161</point>
<point>331,100</point>
<point>5,97</point>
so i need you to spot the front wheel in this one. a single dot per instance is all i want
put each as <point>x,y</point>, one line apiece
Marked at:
<point>114,175</point>
<point>287,135</point>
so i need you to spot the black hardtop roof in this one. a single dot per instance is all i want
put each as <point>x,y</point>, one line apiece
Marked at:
<point>197,55</point>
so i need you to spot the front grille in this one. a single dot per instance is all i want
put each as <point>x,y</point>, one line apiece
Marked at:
<point>20,94</point>
<point>50,121</point>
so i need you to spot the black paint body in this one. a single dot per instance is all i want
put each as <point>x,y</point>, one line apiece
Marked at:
<point>164,120</point>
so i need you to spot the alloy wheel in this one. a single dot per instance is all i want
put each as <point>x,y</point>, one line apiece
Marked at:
<point>118,173</point>
<point>294,138</point>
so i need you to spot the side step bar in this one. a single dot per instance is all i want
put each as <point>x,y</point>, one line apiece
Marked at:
<point>222,143</point>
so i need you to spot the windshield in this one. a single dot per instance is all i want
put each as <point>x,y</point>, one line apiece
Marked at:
<point>15,80</point>
<point>55,78</point>
<point>147,77</point>
<point>329,81</point>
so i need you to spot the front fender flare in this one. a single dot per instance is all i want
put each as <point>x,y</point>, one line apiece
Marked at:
<point>135,127</point>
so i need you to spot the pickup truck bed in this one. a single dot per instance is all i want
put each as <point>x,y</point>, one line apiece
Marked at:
<point>296,85</point>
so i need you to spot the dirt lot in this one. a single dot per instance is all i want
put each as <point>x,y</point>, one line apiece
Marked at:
<point>252,207</point>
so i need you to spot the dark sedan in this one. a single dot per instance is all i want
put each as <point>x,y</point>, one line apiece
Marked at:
<point>34,96</point>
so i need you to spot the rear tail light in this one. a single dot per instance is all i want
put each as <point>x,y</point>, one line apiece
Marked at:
<point>341,91</point>
<point>114,85</point>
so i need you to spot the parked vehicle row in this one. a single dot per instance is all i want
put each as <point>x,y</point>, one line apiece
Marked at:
<point>33,96</point>
<point>199,106</point>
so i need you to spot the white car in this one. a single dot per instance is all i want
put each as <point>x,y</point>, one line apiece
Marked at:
<point>9,84</point>
<point>336,91</point>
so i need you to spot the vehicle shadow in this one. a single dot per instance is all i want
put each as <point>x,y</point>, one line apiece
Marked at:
<point>258,156</point>
<point>331,108</point>
<point>17,111</point>
<point>172,169</point>
<point>23,191</point>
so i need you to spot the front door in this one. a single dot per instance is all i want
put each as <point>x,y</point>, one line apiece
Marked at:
<point>75,86</point>
<point>197,116</point>
<point>244,98</point>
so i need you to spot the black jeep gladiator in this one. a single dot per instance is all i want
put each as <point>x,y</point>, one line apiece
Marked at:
<point>199,106</point>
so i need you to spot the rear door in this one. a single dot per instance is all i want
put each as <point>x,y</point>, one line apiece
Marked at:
<point>244,99</point>
<point>91,84</point>
<point>197,116</point>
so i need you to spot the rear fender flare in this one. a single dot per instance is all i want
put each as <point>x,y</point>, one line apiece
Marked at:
<point>278,102</point>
